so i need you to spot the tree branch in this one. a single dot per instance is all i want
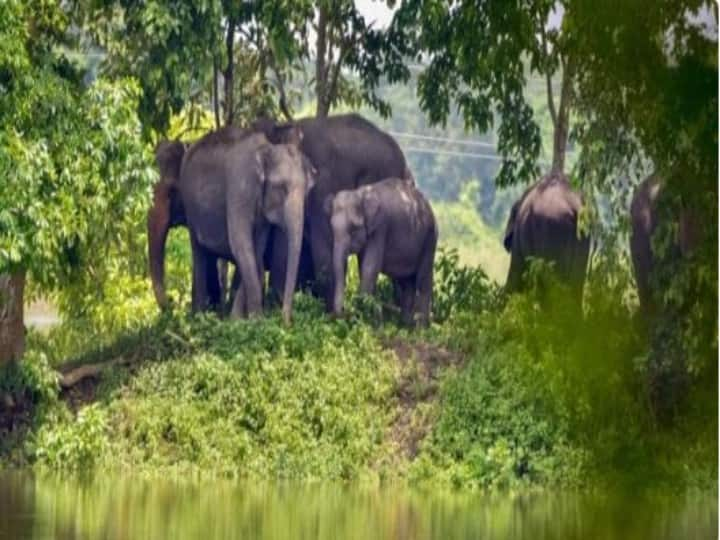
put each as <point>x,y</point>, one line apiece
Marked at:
<point>73,376</point>
<point>284,108</point>
<point>548,78</point>
<point>344,48</point>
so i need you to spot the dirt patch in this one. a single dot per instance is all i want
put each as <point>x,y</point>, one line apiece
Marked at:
<point>421,365</point>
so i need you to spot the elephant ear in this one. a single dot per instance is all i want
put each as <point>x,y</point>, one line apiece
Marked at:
<point>310,173</point>
<point>168,156</point>
<point>510,227</point>
<point>371,209</point>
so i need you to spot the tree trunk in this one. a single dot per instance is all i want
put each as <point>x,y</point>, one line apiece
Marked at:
<point>321,71</point>
<point>12,329</point>
<point>216,104</point>
<point>560,132</point>
<point>229,74</point>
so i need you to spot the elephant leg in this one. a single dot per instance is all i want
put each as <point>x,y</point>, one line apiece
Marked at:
<point>371,258</point>
<point>424,281</point>
<point>222,270</point>
<point>306,274</point>
<point>278,263</point>
<point>235,286</point>
<point>250,293</point>
<point>205,283</point>
<point>405,298</point>
<point>515,273</point>
<point>321,248</point>
<point>260,242</point>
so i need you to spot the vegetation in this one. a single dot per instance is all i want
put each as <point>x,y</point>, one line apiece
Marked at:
<point>497,393</point>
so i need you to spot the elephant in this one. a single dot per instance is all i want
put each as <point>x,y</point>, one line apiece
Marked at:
<point>228,189</point>
<point>347,151</point>
<point>643,223</point>
<point>543,224</point>
<point>390,225</point>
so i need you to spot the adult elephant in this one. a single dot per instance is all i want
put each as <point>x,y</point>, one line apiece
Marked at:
<point>228,188</point>
<point>644,220</point>
<point>347,151</point>
<point>543,224</point>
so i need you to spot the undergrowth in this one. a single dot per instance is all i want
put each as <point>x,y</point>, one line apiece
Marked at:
<point>543,395</point>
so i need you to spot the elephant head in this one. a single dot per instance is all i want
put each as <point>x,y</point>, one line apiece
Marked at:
<point>286,177</point>
<point>354,216</point>
<point>166,211</point>
<point>278,133</point>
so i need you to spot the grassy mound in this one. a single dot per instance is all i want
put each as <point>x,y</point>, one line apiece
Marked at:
<point>498,393</point>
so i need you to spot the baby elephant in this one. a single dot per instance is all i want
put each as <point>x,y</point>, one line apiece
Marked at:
<point>392,229</point>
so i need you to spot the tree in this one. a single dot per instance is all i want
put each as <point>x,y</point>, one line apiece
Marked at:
<point>648,93</point>
<point>345,40</point>
<point>479,53</point>
<point>74,172</point>
<point>639,80</point>
<point>240,56</point>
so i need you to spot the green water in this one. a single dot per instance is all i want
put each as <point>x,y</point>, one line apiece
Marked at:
<point>38,507</point>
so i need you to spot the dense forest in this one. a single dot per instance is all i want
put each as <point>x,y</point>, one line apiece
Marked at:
<point>504,388</point>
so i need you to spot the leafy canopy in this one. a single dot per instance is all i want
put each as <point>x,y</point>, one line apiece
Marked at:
<point>75,174</point>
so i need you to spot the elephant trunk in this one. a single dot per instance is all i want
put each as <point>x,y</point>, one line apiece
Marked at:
<point>294,222</point>
<point>158,223</point>
<point>339,262</point>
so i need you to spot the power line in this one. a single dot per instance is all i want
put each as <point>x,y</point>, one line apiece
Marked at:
<point>468,142</point>
<point>489,157</point>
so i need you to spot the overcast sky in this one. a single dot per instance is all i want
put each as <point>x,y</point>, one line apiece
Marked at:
<point>374,10</point>
<point>377,10</point>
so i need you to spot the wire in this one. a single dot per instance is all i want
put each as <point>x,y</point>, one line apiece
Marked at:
<point>490,157</point>
<point>451,153</point>
<point>441,139</point>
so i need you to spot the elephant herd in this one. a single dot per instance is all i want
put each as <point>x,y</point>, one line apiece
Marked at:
<point>297,199</point>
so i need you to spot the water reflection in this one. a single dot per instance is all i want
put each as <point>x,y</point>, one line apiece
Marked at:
<point>36,507</point>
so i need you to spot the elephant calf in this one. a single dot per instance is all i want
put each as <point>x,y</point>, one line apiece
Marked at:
<point>391,227</point>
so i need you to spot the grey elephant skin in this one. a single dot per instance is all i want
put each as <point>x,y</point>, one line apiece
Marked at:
<point>228,189</point>
<point>543,224</point>
<point>347,151</point>
<point>644,219</point>
<point>391,227</point>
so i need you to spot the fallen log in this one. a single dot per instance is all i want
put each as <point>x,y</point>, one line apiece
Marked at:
<point>73,376</point>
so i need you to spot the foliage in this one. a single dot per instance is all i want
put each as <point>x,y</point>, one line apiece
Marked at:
<point>547,397</point>
<point>75,175</point>
<point>245,398</point>
<point>167,46</point>
<point>479,52</point>
<point>459,288</point>
<point>650,95</point>
<point>182,51</point>
<point>72,445</point>
<point>462,229</point>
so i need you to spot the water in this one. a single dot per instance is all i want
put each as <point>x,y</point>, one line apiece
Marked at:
<point>39,507</point>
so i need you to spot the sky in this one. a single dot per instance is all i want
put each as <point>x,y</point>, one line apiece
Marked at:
<point>375,10</point>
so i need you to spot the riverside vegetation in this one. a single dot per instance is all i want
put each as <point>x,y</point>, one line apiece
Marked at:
<point>495,394</point>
